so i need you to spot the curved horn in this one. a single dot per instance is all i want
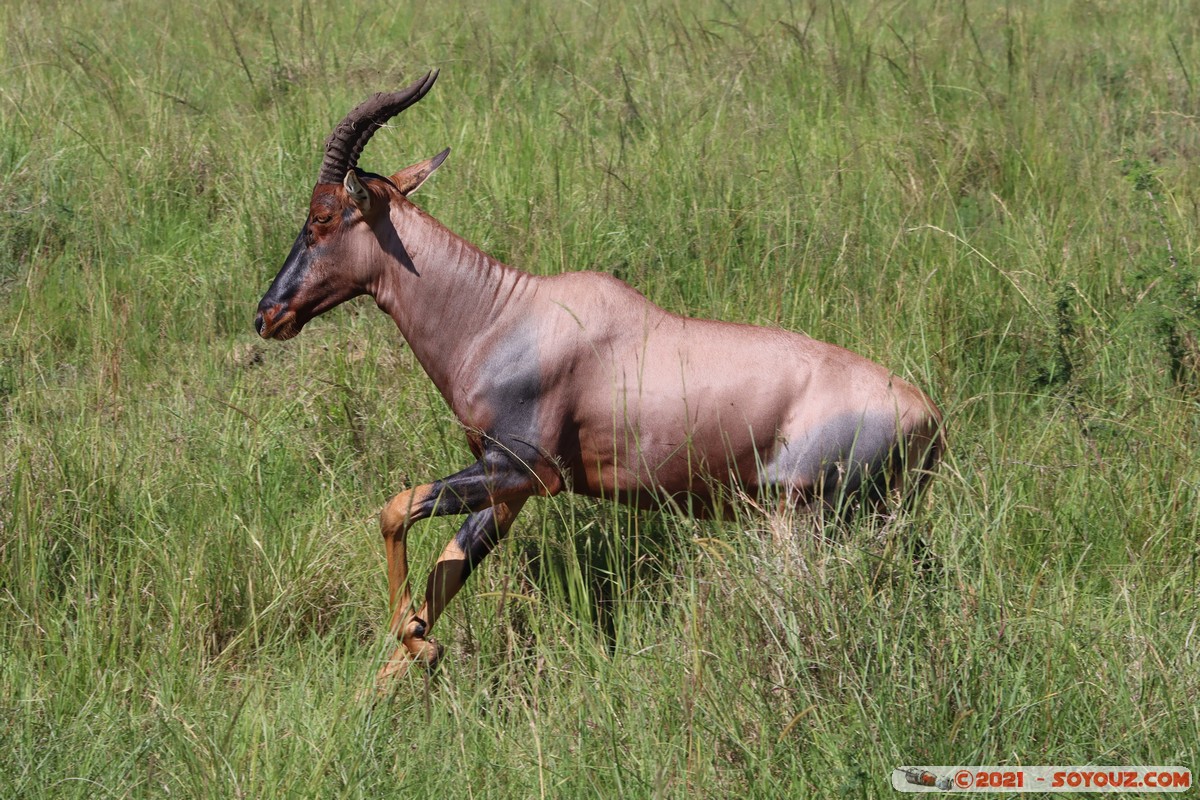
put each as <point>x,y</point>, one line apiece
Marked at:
<point>346,143</point>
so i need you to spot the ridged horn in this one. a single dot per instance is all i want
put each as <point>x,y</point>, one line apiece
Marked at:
<point>346,143</point>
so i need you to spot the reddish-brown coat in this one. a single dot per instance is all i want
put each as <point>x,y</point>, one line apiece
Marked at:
<point>578,381</point>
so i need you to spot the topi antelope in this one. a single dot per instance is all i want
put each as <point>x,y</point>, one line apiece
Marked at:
<point>577,381</point>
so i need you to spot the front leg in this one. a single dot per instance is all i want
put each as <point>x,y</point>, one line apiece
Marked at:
<point>478,536</point>
<point>493,490</point>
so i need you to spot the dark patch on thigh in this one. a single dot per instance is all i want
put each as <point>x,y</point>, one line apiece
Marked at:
<point>837,457</point>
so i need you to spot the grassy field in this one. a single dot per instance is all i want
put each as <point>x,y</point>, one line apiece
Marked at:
<point>1000,202</point>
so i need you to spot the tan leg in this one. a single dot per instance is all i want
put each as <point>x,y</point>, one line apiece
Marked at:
<point>492,493</point>
<point>394,522</point>
<point>462,554</point>
<point>481,532</point>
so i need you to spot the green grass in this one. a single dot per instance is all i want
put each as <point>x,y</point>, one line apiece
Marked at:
<point>999,203</point>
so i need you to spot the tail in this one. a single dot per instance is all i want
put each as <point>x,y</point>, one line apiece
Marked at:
<point>925,447</point>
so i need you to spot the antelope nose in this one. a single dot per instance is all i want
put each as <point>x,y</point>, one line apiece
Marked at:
<point>268,312</point>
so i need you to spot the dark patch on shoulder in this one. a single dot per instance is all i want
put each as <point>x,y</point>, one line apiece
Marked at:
<point>514,392</point>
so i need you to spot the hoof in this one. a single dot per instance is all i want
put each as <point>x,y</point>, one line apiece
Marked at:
<point>426,652</point>
<point>415,652</point>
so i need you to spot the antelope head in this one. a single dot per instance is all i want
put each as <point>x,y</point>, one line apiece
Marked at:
<point>332,258</point>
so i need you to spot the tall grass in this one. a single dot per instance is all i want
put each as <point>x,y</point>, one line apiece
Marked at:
<point>999,203</point>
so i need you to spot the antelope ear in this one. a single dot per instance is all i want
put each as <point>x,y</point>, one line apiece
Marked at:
<point>409,179</point>
<point>356,191</point>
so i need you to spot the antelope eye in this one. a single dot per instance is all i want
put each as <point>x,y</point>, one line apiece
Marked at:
<point>321,219</point>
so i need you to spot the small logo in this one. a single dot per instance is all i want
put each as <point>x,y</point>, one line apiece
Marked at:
<point>923,777</point>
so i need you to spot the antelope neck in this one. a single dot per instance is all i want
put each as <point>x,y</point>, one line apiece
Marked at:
<point>443,293</point>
